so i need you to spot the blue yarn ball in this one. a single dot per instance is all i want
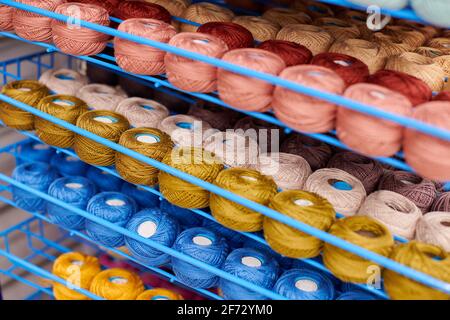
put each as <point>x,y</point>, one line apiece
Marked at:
<point>300,264</point>
<point>35,152</point>
<point>205,246</point>
<point>69,166</point>
<point>37,175</point>
<point>143,198</point>
<point>436,12</point>
<point>284,262</point>
<point>185,217</point>
<point>234,238</point>
<point>157,226</point>
<point>304,284</point>
<point>114,207</point>
<point>356,295</point>
<point>251,265</point>
<point>76,191</point>
<point>103,180</point>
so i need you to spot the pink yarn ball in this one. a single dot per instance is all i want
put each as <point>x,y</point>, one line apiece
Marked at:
<point>6,18</point>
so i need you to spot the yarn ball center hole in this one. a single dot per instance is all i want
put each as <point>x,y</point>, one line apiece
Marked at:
<point>315,74</point>
<point>118,280</point>
<point>340,185</point>
<point>202,240</point>
<point>343,63</point>
<point>249,178</point>
<point>377,94</point>
<point>74,185</point>
<point>185,125</point>
<point>77,263</point>
<point>395,207</point>
<point>147,138</point>
<point>147,107</point>
<point>201,41</point>
<point>306,285</point>
<point>24,89</point>
<point>115,202</point>
<point>63,103</point>
<point>445,223</point>
<point>147,229</point>
<point>366,233</point>
<point>64,77</point>
<point>159,298</point>
<point>40,147</point>
<point>303,202</point>
<point>106,119</point>
<point>252,262</point>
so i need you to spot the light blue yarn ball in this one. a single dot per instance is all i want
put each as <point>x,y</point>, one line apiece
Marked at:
<point>114,207</point>
<point>300,264</point>
<point>386,4</point>
<point>69,166</point>
<point>356,295</point>
<point>284,262</point>
<point>185,217</point>
<point>436,12</point>
<point>37,175</point>
<point>143,198</point>
<point>157,226</point>
<point>76,191</point>
<point>203,245</point>
<point>35,152</point>
<point>234,238</point>
<point>304,284</point>
<point>251,265</point>
<point>103,180</point>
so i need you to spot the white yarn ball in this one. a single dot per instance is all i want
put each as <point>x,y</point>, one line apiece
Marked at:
<point>63,81</point>
<point>101,97</point>
<point>434,228</point>
<point>142,112</point>
<point>186,131</point>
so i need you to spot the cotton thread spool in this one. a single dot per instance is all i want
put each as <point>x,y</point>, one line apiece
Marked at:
<point>419,190</point>
<point>142,112</point>
<point>157,226</point>
<point>434,228</point>
<point>152,143</point>
<point>233,149</point>
<point>345,192</point>
<point>365,51</point>
<point>410,36</point>
<point>234,35</point>
<point>101,97</point>
<point>257,129</point>
<point>104,180</point>
<point>429,52</point>
<point>74,267</point>
<point>243,92</point>
<point>202,245</point>
<point>185,217</point>
<point>66,108</point>
<point>80,41</point>
<point>27,91</point>
<point>34,151</point>
<point>303,112</point>
<point>186,131</point>
<point>247,183</point>
<point>76,191</point>
<point>367,170</point>
<point>442,202</point>
<point>350,69</point>
<point>359,19</point>
<point>413,88</point>
<point>141,9</point>
<point>194,161</point>
<point>251,265</point>
<point>68,166</point>
<point>204,12</point>
<point>113,207</point>
<point>314,38</point>
<point>6,20</point>
<point>143,198</point>
<point>306,207</point>
<point>399,214</point>
<point>366,134</point>
<point>442,44</point>
<point>108,4</point>
<point>291,52</point>
<point>340,29</point>
<point>364,232</point>
<point>261,29</point>
<point>218,117</point>
<point>191,75</point>
<point>298,284</point>
<point>106,124</point>
<point>117,284</point>
<point>425,153</point>
<point>428,31</point>
<point>422,257</point>
<point>289,171</point>
<point>286,16</point>
<point>32,26</point>
<point>37,175</point>
<point>389,45</point>
<point>435,12</point>
<point>63,81</point>
<point>444,63</point>
<point>159,293</point>
<point>139,58</point>
<point>420,67</point>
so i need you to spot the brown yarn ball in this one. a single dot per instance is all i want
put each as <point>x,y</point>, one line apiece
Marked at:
<point>410,36</point>
<point>218,117</point>
<point>285,16</point>
<point>258,125</point>
<point>367,170</point>
<point>442,203</point>
<point>316,152</point>
<point>340,29</point>
<point>419,190</point>
<point>389,45</point>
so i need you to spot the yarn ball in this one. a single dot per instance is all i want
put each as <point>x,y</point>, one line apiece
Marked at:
<point>217,116</point>
<point>202,245</point>
<point>143,198</point>
<point>304,112</point>
<point>76,191</point>
<point>419,190</point>
<point>104,181</point>
<point>243,92</point>
<point>409,35</point>
<point>435,12</point>
<point>303,284</point>
<point>117,284</point>
<point>389,45</point>
<point>350,69</point>
<point>234,35</point>
<point>411,87</point>
<point>367,170</point>
<point>34,151</point>
<point>292,53</point>
<point>186,131</point>
<point>442,96</point>
<point>433,228</point>
<point>155,225</point>
<point>175,7</point>
<point>185,217</point>
<point>6,20</point>
<point>234,239</point>
<point>261,29</point>
<point>427,154</point>
<point>340,29</point>
<point>140,9</point>
<point>36,175</point>
<point>442,202</point>
<point>286,16</point>
<point>251,265</point>
<point>142,112</point>
<point>63,81</point>
<point>285,263</point>
<point>204,12</point>
<point>68,166</point>
<point>247,183</point>
<point>159,294</point>
<point>113,207</point>
<point>316,152</point>
<point>101,97</point>
<point>314,38</point>
<point>109,5</point>
<point>356,295</point>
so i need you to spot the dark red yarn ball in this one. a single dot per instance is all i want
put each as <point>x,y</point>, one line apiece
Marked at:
<point>350,69</point>
<point>411,87</point>
<point>106,4</point>
<point>138,9</point>
<point>443,96</point>
<point>292,53</point>
<point>233,34</point>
